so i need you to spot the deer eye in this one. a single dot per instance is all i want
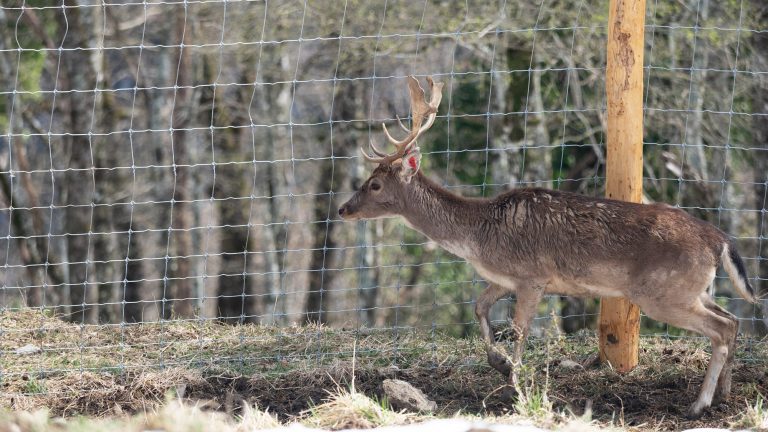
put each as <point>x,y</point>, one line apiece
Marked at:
<point>375,186</point>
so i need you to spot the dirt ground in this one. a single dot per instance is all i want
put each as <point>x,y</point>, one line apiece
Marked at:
<point>104,371</point>
<point>630,400</point>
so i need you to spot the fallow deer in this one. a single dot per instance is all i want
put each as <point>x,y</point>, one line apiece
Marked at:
<point>535,241</point>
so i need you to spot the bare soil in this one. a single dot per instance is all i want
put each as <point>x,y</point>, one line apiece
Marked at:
<point>113,370</point>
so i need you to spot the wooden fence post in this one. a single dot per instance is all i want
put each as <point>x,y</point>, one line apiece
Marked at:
<point>620,319</point>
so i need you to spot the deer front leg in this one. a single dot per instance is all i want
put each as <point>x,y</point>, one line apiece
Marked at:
<point>497,358</point>
<point>527,300</point>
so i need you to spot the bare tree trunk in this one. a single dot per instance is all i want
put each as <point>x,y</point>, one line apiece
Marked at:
<point>233,288</point>
<point>78,182</point>
<point>695,156</point>
<point>141,296</point>
<point>344,139</point>
<point>182,286</point>
<point>263,266</point>
<point>322,234</point>
<point>694,127</point>
<point>367,274</point>
<point>288,180</point>
<point>505,165</point>
<point>27,250</point>
<point>267,235</point>
<point>145,290</point>
<point>372,260</point>
<point>106,276</point>
<point>107,247</point>
<point>540,158</point>
<point>502,170</point>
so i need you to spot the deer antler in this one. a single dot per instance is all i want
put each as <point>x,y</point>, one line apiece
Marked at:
<point>419,109</point>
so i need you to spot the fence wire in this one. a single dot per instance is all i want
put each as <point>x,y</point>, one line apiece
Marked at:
<point>169,165</point>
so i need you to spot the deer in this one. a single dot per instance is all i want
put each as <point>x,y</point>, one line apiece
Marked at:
<point>535,241</point>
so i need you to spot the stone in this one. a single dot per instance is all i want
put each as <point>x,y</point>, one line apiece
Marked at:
<point>404,396</point>
<point>570,364</point>
<point>28,349</point>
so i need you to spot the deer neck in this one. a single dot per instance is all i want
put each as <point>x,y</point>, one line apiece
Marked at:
<point>446,218</point>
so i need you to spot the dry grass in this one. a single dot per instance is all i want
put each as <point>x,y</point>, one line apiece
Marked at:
<point>352,410</point>
<point>108,371</point>
<point>342,411</point>
<point>755,416</point>
<point>172,417</point>
<point>254,349</point>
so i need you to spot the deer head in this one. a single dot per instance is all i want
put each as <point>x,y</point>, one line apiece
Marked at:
<point>383,192</point>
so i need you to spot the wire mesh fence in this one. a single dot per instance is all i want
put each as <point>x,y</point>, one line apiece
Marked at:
<point>172,162</point>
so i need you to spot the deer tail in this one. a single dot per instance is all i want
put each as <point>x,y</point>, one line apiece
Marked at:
<point>734,266</point>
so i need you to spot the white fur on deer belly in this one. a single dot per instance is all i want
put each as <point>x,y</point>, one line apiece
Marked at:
<point>459,249</point>
<point>495,277</point>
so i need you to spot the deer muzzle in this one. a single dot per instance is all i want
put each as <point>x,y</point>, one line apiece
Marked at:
<point>346,211</point>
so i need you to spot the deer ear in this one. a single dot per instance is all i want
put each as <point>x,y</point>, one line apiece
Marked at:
<point>410,164</point>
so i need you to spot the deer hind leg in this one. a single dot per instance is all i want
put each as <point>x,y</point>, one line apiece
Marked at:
<point>525,310</point>
<point>723,389</point>
<point>497,357</point>
<point>703,320</point>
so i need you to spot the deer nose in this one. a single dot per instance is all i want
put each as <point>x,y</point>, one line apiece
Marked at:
<point>342,210</point>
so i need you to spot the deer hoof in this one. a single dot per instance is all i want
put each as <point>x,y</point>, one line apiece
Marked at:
<point>694,411</point>
<point>717,399</point>
<point>722,391</point>
<point>509,394</point>
<point>721,395</point>
<point>498,360</point>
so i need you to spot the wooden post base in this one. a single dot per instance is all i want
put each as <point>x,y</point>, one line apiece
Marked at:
<point>619,333</point>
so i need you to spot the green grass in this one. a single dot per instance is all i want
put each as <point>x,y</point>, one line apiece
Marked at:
<point>33,386</point>
<point>533,401</point>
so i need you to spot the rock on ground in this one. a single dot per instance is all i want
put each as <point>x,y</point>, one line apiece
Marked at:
<point>402,395</point>
<point>28,349</point>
